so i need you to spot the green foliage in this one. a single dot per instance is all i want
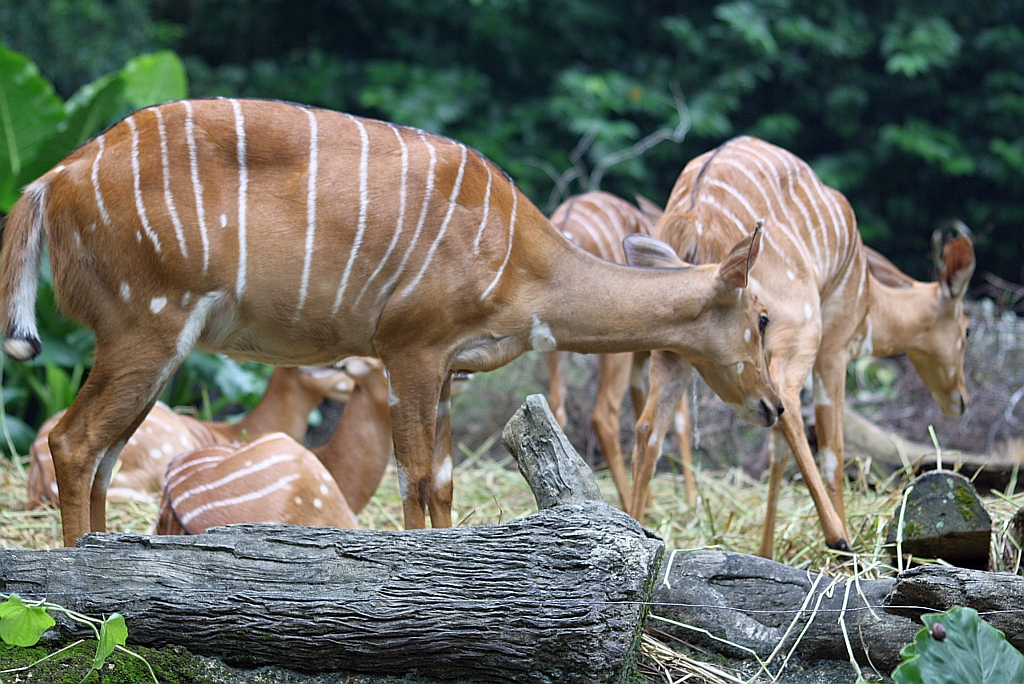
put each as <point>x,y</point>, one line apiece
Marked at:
<point>23,625</point>
<point>962,649</point>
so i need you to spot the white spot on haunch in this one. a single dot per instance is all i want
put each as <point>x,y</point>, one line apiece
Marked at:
<point>223,220</point>
<point>155,453</point>
<point>138,236</point>
<point>959,344</point>
<point>739,367</point>
<point>318,504</point>
<point>298,501</point>
<point>53,487</point>
<point>58,169</point>
<point>790,275</point>
<point>808,311</point>
<point>541,338</point>
<point>167,448</point>
<point>324,490</point>
<point>184,441</point>
<point>126,292</point>
<point>186,298</point>
<point>248,464</point>
<point>653,440</point>
<point>746,335</point>
<point>157,304</point>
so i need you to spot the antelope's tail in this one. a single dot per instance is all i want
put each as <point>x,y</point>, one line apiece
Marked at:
<point>19,273</point>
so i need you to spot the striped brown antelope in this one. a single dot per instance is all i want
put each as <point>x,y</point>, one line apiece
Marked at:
<point>598,222</point>
<point>291,235</point>
<point>274,479</point>
<point>826,306</point>
<point>291,394</point>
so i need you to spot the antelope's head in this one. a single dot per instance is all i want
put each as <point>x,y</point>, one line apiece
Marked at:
<point>727,345</point>
<point>324,381</point>
<point>938,352</point>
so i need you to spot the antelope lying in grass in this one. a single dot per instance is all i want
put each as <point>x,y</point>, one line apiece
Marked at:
<point>292,235</point>
<point>825,304</point>
<point>291,394</point>
<point>275,479</point>
<point>598,222</point>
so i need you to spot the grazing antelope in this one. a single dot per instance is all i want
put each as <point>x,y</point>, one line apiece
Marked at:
<point>291,394</point>
<point>274,479</point>
<point>826,306</point>
<point>292,235</point>
<point>598,222</point>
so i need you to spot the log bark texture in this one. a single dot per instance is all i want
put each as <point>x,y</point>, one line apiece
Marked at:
<point>555,597</point>
<point>764,606</point>
<point>997,596</point>
<point>550,464</point>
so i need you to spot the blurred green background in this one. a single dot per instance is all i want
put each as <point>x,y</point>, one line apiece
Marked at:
<point>914,109</point>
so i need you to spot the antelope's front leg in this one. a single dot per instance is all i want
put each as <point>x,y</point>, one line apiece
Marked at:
<point>669,378</point>
<point>558,379</point>
<point>439,499</point>
<point>829,404</point>
<point>614,370</point>
<point>415,390</point>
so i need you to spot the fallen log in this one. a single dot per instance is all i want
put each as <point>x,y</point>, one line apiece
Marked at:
<point>559,596</point>
<point>740,605</point>
<point>862,438</point>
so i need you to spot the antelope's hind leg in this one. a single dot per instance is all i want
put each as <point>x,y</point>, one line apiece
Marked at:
<point>132,366</point>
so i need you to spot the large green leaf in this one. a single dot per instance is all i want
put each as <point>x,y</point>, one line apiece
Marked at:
<point>113,632</point>
<point>22,625</point>
<point>87,111</point>
<point>29,113</point>
<point>971,650</point>
<point>152,79</point>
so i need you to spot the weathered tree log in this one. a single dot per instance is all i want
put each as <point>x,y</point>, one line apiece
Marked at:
<point>863,438</point>
<point>764,606</point>
<point>559,596</point>
<point>997,596</point>
<point>550,464</point>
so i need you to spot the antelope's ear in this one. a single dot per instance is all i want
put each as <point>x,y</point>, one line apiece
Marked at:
<point>957,265</point>
<point>642,250</point>
<point>734,271</point>
<point>649,209</point>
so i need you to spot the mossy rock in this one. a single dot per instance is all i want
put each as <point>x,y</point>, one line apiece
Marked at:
<point>944,518</point>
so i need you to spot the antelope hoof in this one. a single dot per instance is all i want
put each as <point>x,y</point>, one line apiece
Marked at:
<point>842,546</point>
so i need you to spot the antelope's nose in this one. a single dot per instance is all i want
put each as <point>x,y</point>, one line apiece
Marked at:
<point>770,416</point>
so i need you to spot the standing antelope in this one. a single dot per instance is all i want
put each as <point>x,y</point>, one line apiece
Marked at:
<point>291,394</point>
<point>275,479</point>
<point>291,235</point>
<point>598,222</point>
<point>826,306</point>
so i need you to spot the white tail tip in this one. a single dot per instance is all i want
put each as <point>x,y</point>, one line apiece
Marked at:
<point>21,350</point>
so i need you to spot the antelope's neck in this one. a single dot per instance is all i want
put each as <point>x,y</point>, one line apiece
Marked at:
<point>358,452</point>
<point>896,316</point>
<point>592,306</point>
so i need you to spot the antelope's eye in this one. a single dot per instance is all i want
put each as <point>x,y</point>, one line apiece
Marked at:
<point>967,333</point>
<point>762,323</point>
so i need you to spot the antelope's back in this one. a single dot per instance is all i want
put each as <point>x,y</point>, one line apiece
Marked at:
<point>597,222</point>
<point>810,229</point>
<point>288,215</point>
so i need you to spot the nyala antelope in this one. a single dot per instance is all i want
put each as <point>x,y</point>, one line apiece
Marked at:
<point>825,303</point>
<point>292,235</point>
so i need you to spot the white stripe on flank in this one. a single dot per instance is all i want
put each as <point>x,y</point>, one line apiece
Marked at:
<point>243,188</point>
<point>190,464</point>
<point>139,206</point>
<point>592,231</point>
<point>598,224</point>
<point>511,235</point>
<point>721,208</point>
<point>96,183</point>
<point>251,496</point>
<point>487,209</point>
<point>168,198</point>
<point>364,200</point>
<point>770,171</point>
<point>266,463</point>
<point>197,189</point>
<point>310,209</point>
<point>452,203</point>
<point>401,212</point>
<point>427,193</point>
